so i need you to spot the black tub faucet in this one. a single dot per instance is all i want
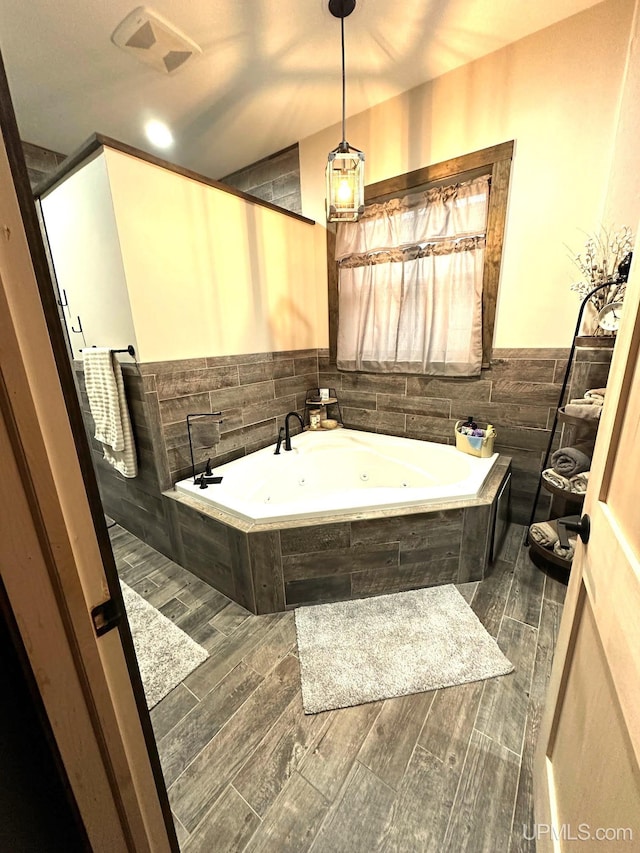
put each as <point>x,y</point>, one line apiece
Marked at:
<point>287,434</point>
<point>276,452</point>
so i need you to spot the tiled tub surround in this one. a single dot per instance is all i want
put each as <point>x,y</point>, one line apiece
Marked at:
<point>272,566</point>
<point>254,393</point>
<point>518,394</point>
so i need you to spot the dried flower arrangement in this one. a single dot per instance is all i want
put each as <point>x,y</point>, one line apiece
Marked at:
<point>605,260</point>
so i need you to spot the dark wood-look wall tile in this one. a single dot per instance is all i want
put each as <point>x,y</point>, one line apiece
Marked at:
<point>306,366</point>
<point>202,531</point>
<point>245,358</point>
<point>411,576</point>
<point>449,389</point>
<point>430,429</point>
<point>154,422</point>
<point>295,353</point>
<point>516,391</point>
<point>209,568</point>
<point>297,384</point>
<point>504,414</point>
<point>407,528</point>
<point>340,561</point>
<point>183,364</point>
<point>262,433</point>
<point>319,589</point>
<point>242,396</point>
<point>278,407</point>
<point>320,537</point>
<point>178,408</point>
<point>434,406</point>
<point>241,569</point>
<point>282,368</point>
<point>182,384</point>
<point>530,352</point>
<point>561,369</point>
<point>266,568</point>
<point>259,371</point>
<point>373,421</point>
<point>474,552</point>
<point>331,378</point>
<point>379,383</point>
<point>521,369</point>
<point>526,438</point>
<point>355,399</point>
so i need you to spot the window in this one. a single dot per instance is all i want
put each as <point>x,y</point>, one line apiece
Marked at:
<point>412,257</point>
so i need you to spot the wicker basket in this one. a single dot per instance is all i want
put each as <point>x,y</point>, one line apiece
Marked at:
<point>474,445</point>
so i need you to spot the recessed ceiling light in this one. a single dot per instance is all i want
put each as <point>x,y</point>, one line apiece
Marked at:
<point>158,134</point>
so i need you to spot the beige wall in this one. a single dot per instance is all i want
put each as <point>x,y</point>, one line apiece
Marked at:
<point>83,236</point>
<point>556,94</point>
<point>210,274</point>
<point>622,203</point>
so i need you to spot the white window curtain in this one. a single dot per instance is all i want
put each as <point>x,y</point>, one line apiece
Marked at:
<point>410,283</point>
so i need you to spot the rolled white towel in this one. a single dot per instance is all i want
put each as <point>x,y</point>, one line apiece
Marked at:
<point>583,410</point>
<point>587,401</point>
<point>579,482</point>
<point>596,393</point>
<point>544,533</point>
<point>565,553</point>
<point>556,479</point>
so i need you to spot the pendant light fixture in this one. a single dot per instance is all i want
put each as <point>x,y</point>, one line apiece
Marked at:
<point>345,166</point>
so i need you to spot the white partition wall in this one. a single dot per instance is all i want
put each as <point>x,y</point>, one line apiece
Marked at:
<point>85,247</point>
<point>179,268</point>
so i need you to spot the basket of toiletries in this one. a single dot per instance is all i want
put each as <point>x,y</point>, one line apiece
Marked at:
<point>473,439</point>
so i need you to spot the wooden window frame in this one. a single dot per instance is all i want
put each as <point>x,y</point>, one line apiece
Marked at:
<point>494,161</point>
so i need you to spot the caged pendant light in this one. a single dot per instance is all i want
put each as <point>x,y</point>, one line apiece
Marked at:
<point>345,166</point>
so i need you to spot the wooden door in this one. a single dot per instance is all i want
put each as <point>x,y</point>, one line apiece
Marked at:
<point>54,563</point>
<point>587,768</point>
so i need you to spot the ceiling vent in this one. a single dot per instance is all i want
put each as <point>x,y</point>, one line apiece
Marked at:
<point>154,41</point>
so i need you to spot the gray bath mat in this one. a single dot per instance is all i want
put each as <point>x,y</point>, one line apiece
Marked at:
<point>165,653</point>
<point>376,648</point>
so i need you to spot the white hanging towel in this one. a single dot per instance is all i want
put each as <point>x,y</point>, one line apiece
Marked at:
<point>108,404</point>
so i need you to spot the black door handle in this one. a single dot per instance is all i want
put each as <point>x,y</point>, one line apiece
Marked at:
<point>582,526</point>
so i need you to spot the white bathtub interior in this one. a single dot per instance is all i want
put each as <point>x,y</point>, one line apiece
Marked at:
<point>341,471</point>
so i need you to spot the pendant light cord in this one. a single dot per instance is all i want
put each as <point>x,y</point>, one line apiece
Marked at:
<point>344,84</point>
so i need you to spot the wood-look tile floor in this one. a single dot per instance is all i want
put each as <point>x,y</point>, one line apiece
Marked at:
<point>247,770</point>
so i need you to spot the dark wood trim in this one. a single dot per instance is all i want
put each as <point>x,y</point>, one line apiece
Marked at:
<point>9,130</point>
<point>332,291</point>
<point>497,161</point>
<point>97,141</point>
<point>485,158</point>
<point>496,221</point>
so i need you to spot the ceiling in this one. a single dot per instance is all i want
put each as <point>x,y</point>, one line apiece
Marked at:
<point>269,73</point>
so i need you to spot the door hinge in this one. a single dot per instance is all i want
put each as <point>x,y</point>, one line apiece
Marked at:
<point>105,616</point>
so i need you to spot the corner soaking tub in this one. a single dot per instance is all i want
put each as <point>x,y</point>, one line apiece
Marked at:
<point>342,471</point>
